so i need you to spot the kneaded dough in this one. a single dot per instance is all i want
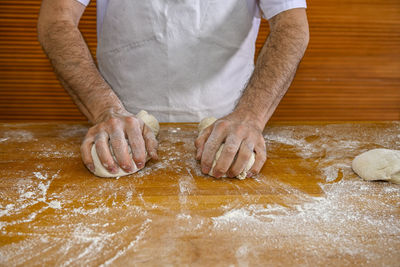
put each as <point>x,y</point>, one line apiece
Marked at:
<point>204,123</point>
<point>100,171</point>
<point>378,164</point>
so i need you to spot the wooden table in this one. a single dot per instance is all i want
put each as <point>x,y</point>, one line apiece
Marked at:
<point>306,208</point>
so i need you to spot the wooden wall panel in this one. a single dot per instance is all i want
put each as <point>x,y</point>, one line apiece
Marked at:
<point>29,89</point>
<point>351,70</point>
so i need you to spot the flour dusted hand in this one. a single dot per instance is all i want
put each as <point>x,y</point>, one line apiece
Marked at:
<point>378,164</point>
<point>101,171</point>
<point>204,123</point>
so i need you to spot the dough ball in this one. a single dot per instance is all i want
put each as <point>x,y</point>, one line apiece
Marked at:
<point>378,164</point>
<point>204,123</point>
<point>149,120</point>
<point>100,171</point>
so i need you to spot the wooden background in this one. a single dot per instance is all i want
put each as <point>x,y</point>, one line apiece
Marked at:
<point>351,70</point>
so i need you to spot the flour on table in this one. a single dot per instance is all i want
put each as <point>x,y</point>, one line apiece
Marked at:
<point>100,171</point>
<point>204,123</point>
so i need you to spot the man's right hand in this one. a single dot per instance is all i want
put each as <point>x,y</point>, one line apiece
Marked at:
<point>63,43</point>
<point>119,131</point>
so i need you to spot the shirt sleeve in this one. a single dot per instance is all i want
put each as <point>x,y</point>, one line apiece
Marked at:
<point>271,8</point>
<point>84,2</point>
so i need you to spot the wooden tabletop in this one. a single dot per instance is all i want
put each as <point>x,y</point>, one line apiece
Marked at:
<point>307,207</point>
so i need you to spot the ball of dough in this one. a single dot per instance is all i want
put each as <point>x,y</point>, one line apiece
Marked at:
<point>149,120</point>
<point>100,171</point>
<point>378,164</point>
<point>204,123</point>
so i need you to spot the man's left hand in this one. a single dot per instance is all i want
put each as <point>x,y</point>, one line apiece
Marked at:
<point>241,137</point>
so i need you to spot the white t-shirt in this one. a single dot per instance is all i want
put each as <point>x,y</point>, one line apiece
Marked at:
<point>269,8</point>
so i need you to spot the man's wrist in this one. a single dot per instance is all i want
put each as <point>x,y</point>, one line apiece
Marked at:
<point>110,112</point>
<point>249,115</point>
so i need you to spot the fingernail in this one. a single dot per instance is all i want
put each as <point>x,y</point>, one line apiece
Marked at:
<point>127,168</point>
<point>90,167</point>
<point>113,169</point>
<point>140,165</point>
<point>217,175</point>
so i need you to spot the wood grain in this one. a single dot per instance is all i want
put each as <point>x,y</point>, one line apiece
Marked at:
<point>351,70</point>
<point>306,208</point>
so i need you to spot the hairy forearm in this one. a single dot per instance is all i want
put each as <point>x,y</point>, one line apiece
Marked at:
<point>274,71</point>
<point>76,70</point>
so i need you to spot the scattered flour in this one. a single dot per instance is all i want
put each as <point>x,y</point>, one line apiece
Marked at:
<point>133,244</point>
<point>19,136</point>
<point>55,204</point>
<point>346,217</point>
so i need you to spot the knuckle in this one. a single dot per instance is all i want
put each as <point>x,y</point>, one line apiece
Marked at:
<point>151,142</point>
<point>230,149</point>
<point>100,138</point>
<point>262,146</point>
<point>263,157</point>
<point>150,136</point>
<point>261,140</point>
<point>135,122</point>
<point>240,129</point>
<point>114,123</point>
<point>247,150</point>
<point>139,155</point>
<point>138,123</point>
<point>154,145</point>
<point>140,142</point>
<point>233,139</point>
<point>207,148</point>
<point>197,142</point>
<point>88,137</point>
<point>148,140</point>
<point>92,130</point>
<point>131,120</point>
<point>221,124</point>
<point>113,120</point>
<point>244,157</point>
<point>117,137</point>
<point>211,145</point>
